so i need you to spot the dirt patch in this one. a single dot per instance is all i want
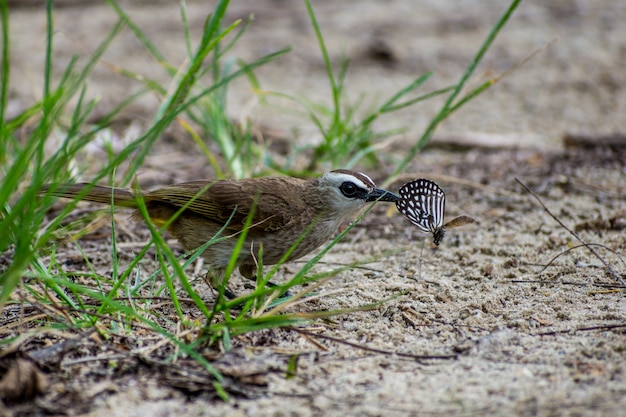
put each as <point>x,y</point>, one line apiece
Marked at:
<point>514,338</point>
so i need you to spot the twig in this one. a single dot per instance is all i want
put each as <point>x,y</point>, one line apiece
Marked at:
<point>581,284</point>
<point>583,329</point>
<point>588,246</point>
<point>580,246</point>
<point>370,349</point>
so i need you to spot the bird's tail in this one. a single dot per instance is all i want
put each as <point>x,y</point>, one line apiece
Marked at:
<point>97,194</point>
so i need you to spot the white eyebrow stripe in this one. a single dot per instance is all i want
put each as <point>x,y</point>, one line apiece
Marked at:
<point>368,179</point>
<point>340,177</point>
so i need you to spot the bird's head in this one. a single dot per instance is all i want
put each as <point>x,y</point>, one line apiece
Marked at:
<point>345,192</point>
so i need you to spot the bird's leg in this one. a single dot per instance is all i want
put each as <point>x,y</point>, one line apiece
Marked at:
<point>214,279</point>
<point>250,272</point>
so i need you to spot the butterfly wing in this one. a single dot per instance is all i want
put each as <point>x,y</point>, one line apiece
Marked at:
<point>423,203</point>
<point>460,221</point>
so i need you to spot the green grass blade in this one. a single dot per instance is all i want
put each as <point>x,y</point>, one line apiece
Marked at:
<point>327,64</point>
<point>147,43</point>
<point>48,64</point>
<point>446,109</point>
<point>4,80</point>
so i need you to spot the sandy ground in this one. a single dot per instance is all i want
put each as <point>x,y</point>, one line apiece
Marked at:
<point>519,340</point>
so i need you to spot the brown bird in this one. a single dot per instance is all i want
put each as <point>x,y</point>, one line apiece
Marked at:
<point>283,210</point>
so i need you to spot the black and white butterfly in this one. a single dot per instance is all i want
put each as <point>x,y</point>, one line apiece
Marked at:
<point>423,202</point>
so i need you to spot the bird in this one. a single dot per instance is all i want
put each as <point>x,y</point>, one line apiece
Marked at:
<point>283,210</point>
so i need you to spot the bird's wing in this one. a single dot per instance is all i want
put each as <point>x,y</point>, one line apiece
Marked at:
<point>222,200</point>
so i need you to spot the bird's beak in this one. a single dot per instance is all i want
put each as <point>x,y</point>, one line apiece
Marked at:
<point>379,194</point>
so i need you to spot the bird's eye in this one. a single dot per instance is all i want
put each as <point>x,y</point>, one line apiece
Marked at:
<point>349,189</point>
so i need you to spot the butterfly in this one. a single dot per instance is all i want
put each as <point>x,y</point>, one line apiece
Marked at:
<point>423,202</point>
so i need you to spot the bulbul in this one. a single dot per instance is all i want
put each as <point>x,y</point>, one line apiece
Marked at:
<point>283,210</point>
